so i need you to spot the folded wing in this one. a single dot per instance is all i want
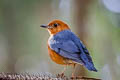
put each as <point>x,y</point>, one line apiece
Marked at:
<point>67,49</point>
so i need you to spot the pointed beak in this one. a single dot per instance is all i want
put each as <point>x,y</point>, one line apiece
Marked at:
<point>44,26</point>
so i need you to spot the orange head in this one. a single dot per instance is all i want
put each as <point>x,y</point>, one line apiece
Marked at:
<point>56,26</point>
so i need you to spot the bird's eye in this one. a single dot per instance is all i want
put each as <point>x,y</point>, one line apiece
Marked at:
<point>55,25</point>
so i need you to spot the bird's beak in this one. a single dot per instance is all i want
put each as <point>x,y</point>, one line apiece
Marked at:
<point>44,26</point>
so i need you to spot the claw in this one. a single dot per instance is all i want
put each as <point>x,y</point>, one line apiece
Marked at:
<point>60,75</point>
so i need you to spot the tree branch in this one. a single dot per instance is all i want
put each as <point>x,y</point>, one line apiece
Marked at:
<point>27,76</point>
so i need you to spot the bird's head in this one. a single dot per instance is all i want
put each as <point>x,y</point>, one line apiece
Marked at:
<point>55,26</point>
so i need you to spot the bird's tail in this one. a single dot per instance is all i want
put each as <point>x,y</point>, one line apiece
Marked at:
<point>90,66</point>
<point>87,62</point>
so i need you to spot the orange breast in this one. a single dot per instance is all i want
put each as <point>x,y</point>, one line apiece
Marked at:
<point>56,57</point>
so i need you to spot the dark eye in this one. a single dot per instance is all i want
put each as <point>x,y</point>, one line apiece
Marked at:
<point>55,25</point>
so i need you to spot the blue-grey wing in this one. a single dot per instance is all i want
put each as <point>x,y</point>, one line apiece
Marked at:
<point>67,49</point>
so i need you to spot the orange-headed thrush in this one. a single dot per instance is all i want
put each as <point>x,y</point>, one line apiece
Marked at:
<point>65,47</point>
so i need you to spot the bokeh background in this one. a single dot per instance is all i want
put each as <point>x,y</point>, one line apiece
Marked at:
<point>23,44</point>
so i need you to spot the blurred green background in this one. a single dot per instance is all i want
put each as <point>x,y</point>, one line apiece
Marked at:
<point>23,44</point>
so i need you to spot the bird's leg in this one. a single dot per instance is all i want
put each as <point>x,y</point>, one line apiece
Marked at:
<point>64,70</point>
<point>74,65</point>
<point>62,73</point>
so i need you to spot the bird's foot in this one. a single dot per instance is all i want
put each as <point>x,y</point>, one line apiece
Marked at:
<point>73,77</point>
<point>61,75</point>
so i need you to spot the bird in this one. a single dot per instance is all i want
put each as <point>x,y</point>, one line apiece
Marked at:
<point>65,48</point>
